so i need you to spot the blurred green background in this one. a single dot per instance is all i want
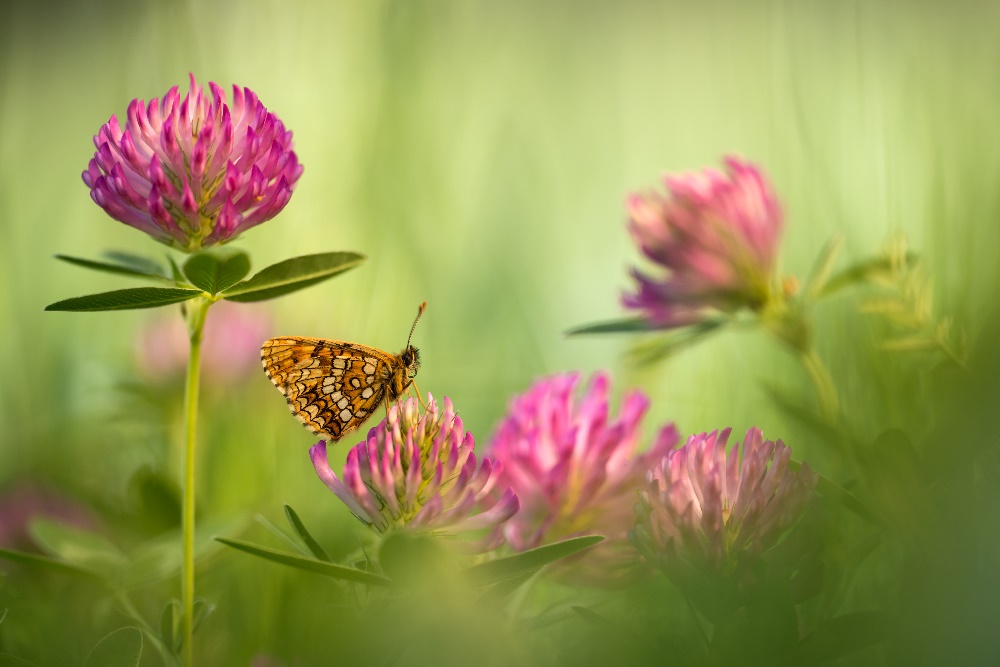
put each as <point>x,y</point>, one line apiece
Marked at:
<point>479,154</point>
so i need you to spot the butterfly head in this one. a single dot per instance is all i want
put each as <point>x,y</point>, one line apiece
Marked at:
<point>411,360</point>
<point>411,355</point>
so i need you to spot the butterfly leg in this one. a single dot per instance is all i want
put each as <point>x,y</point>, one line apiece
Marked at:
<point>419,397</point>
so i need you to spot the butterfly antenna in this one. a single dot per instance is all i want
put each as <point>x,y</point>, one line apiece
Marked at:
<point>420,311</point>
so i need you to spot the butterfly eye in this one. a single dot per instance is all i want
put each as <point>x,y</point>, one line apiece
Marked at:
<point>407,357</point>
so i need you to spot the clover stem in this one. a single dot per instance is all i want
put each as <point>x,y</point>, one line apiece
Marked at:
<point>196,323</point>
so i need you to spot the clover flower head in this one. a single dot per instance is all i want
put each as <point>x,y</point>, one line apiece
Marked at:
<point>196,171</point>
<point>418,471</point>
<point>716,236</point>
<point>713,511</point>
<point>575,468</point>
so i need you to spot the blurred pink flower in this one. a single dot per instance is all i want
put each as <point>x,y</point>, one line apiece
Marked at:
<point>230,344</point>
<point>576,471</point>
<point>23,503</point>
<point>715,234</point>
<point>419,471</point>
<point>194,172</point>
<point>710,511</point>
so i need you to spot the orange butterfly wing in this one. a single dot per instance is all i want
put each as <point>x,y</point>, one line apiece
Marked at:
<point>331,386</point>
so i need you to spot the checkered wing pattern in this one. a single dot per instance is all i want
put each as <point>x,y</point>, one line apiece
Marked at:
<point>332,387</point>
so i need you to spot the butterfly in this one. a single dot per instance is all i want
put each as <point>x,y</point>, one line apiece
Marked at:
<point>332,386</point>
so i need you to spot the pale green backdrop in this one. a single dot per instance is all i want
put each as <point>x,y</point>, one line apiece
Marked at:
<point>479,154</point>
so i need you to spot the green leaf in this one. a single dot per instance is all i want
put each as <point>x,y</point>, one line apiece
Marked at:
<point>307,564</point>
<point>828,488</point>
<point>136,262</point>
<point>789,402</point>
<point>160,558</point>
<point>127,265</point>
<point>26,558</point>
<point>126,299</point>
<point>669,342</point>
<point>121,648</point>
<point>170,625</point>
<point>820,273</point>
<point>291,275</point>
<point>592,617</point>
<point>500,591</point>
<point>217,271</point>
<point>529,561</point>
<point>633,325</point>
<point>156,500</point>
<point>842,636</point>
<point>661,347</point>
<point>279,533</point>
<point>300,528</point>
<point>7,660</point>
<point>202,609</point>
<point>865,271</point>
<point>175,271</point>
<point>79,547</point>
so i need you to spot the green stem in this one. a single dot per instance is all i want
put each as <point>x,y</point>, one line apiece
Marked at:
<point>196,322</point>
<point>826,391</point>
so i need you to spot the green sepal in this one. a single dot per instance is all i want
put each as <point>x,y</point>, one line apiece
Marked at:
<point>291,275</point>
<point>314,548</point>
<point>121,648</point>
<point>218,270</point>
<point>126,299</point>
<point>528,561</point>
<point>307,564</point>
<point>121,264</point>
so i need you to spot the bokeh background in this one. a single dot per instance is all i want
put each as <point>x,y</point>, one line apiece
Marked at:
<point>479,154</point>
